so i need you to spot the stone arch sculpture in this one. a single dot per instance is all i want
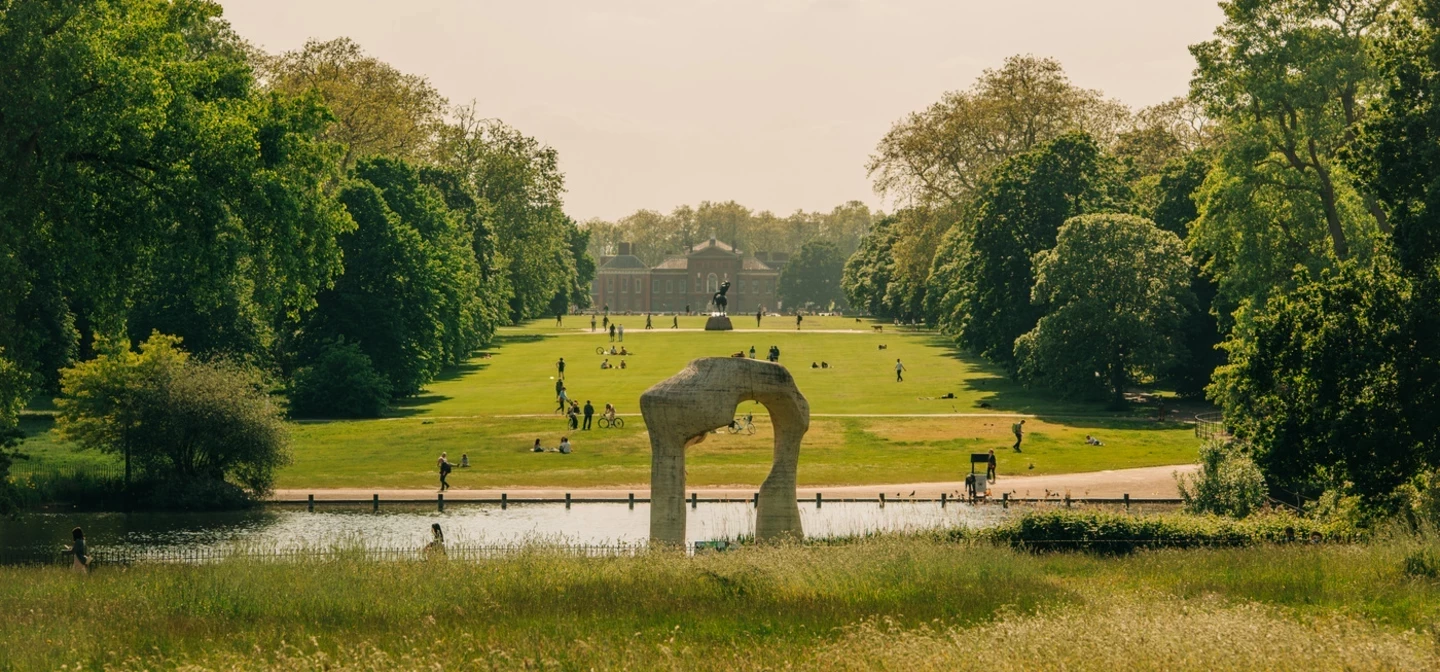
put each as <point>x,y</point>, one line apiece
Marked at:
<point>681,410</point>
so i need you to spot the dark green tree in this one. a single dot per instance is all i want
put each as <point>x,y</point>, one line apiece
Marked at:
<point>812,277</point>
<point>1115,290</point>
<point>1174,210</point>
<point>866,277</point>
<point>1019,214</point>
<point>341,383</point>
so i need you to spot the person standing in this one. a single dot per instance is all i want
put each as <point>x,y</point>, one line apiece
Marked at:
<point>612,332</point>
<point>752,352</point>
<point>759,313</point>
<point>80,550</point>
<point>445,468</point>
<point>648,326</point>
<point>592,323</point>
<point>605,323</point>
<point>589,414</point>
<point>560,368</point>
<point>798,319</point>
<point>1019,430</point>
<point>899,371</point>
<point>990,466</point>
<point>622,333</point>
<point>559,385</point>
<point>559,319</point>
<point>687,307</point>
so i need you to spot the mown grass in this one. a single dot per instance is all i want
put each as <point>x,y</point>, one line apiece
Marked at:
<point>470,410</point>
<point>912,603</point>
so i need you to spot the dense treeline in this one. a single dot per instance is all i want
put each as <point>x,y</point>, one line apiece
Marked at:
<point>1269,241</point>
<point>654,235</point>
<point>160,175</point>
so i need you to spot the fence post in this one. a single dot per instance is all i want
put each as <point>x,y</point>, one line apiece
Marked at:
<point>817,500</point>
<point>632,500</point>
<point>440,501</point>
<point>1127,502</point>
<point>694,500</point>
<point>375,502</point>
<point>312,503</point>
<point>943,497</point>
<point>757,500</point>
<point>1004,500</point>
<point>504,501</point>
<point>567,500</point>
<point>882,500</point>
<point>1067,500</point>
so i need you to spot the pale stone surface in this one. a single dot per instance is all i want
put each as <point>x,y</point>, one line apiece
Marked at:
<point>718,323</point>
<point>680,411</point>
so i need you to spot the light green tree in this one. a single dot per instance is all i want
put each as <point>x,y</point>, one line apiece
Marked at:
<point>1115,289</point>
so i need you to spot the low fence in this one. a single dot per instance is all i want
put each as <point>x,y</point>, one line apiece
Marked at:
<point>211,555</point>
<point>1211,427</point>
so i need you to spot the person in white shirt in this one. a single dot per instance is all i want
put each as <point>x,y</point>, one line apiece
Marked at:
<point>899,371</point>
<point>565,445</point>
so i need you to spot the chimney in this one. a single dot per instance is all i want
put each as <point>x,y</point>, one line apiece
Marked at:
<point>624,249</point>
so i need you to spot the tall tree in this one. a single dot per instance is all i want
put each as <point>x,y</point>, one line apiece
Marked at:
<point>945,153</point>
<point>379,110</point>
<point>1021,212</point>
<point>812,277</point>
<point>1115,290</point>
<point>867,273</point>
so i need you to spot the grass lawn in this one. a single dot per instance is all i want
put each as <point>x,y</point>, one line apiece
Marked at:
<point>473,409</point>
<point>889,603</point>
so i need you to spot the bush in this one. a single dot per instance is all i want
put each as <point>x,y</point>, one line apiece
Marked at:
<point>1229,482</point>
<point>1422,564</point>
<point>1115,533</point>
<point>341,383</point>
<point>173,419</point>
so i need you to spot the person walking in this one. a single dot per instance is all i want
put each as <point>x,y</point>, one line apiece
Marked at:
<point>605,323</point>
<point>559,319</point>
<point>563,400</point>
<point>589,414</point>
<point>648,326</point>
<point>436,547</point>
<point>899,371</point>
<point>560,368</point>
<point>798,319</point>
<point>674,321</point>
<point>79,549</point>
<point>759,313</point>
<point>622,333</point>
<point>1019,430</point>
<point>612,332</point>
<point>559,385</point>
<point>592,323</point>
<point>445,469</point>
<point>990,466</point>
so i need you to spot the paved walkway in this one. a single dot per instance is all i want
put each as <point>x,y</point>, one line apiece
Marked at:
<point>1142,483</point>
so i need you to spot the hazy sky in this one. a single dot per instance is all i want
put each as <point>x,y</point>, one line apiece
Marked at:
<point>773,103</point>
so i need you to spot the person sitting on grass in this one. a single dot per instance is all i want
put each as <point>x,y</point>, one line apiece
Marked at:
<point>814,365</point>
<point>613,351</point>
<point>622,363</point>
<point>464,460</point>
<point>624,352</point>
<point>605,365</point>
<point>1090,440</point>
<point>564,445</point>
<point>537,448</point>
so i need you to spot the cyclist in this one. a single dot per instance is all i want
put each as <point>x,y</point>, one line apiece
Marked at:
<point>609,414</point>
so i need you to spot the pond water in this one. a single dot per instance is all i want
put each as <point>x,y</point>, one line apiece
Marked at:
<point>587,524</point>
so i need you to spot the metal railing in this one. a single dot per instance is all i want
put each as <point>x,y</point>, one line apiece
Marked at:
<point>1211,427</point>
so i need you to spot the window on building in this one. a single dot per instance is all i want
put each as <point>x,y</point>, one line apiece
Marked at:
<point>669,286</point>
<point>712,284</point>
<point>610,284</point>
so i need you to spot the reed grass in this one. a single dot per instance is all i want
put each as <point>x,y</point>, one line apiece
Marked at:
<point>896,602</point>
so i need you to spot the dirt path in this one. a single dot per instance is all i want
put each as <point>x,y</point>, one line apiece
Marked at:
<point>1142,483</point>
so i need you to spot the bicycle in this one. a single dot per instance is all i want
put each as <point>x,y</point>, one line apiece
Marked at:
<point>745,424</point>
<point>601,351</point>
<point>611,423</point>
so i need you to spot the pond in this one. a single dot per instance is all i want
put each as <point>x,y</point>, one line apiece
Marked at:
<point>583,524</point>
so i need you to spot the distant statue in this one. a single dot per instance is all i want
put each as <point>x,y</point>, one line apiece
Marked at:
<point>720,301</point>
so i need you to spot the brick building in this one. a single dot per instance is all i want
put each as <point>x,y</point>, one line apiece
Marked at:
<point>623,282</point>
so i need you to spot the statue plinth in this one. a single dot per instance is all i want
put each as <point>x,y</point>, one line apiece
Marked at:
<point>719,323</point>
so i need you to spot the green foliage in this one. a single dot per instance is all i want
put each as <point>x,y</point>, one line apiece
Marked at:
<point>174,419</point>
<point>14,392</point>
<point>1118,533</point>
<point>866,277</point>
<point>1328,386</point>
<point>1021,212</point>
<point>1115,289</point>
<point>812,277</point>
<point>1228,483</point>
<point>341,383</point>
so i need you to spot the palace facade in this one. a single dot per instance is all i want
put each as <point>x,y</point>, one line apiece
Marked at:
<point>624,283</point>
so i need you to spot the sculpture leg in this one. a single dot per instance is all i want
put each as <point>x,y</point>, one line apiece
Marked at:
<point>667,491</point>
<point>777,514</point>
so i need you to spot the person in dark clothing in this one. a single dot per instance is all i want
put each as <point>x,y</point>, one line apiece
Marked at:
<point>990,467</point>
<point>445,468</point>
<point>572,416</point>
<point>79,550</point>
<point>589,413</point>
<point>1019,430</point>
<point>798,319</point>
<point>559,385</point>
<point>560,366</point>
<point>759,313</point>
<point>675,322</point>
<point>612,332</point>
<point>647,321</point>
<point>605,323</point>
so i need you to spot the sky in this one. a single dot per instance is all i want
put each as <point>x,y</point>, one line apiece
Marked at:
<point>775,104</point>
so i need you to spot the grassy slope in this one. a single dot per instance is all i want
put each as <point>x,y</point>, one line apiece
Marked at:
<point>457,414</point>
<point>896,603</point>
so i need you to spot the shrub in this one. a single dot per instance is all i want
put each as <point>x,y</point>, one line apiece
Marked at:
<point>1115,533</point>
<point>173,419</point>
<point>1422,564</point>
<point>1229,482</point>
<point>341,383</point>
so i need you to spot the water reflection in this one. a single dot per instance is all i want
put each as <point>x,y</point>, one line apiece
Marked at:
<point>406,527</point>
